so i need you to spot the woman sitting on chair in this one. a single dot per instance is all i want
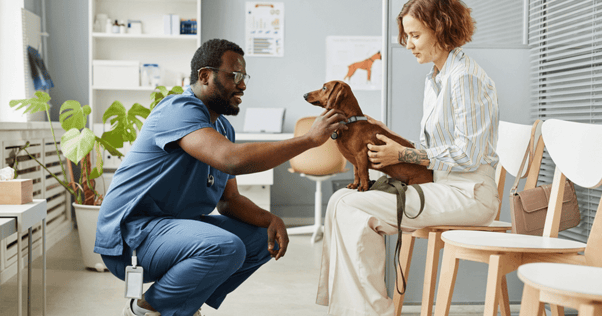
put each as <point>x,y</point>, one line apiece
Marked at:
<point>457,141</point>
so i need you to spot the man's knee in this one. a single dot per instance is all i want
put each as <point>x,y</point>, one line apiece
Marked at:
<point>232,252</point>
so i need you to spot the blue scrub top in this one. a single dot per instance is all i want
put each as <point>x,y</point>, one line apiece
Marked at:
<point>158,179</point>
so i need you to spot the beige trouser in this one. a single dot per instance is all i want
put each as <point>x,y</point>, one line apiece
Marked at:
<point>352,276</point>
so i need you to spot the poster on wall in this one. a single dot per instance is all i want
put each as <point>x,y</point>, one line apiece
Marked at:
<point>356,60</point>
<point>264,29</point>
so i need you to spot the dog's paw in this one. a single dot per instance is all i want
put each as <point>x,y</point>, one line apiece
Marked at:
<point>363,188</point>
<point>353,185</point>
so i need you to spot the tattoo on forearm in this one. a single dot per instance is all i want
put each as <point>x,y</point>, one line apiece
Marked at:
<point>417,156</point>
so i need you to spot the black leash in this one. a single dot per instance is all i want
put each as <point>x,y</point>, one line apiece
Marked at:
<point>399,188</point>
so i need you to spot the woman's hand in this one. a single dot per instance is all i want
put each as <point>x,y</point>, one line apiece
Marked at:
<point>277,233</point>
<point>392,152</point>
<point>381,156</point>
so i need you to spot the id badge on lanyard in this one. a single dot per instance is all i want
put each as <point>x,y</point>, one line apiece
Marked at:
<point>134,279</point>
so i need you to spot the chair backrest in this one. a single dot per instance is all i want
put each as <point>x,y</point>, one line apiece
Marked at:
<point>576,151</point>
<point>322,160</point>
<point>512,143</point>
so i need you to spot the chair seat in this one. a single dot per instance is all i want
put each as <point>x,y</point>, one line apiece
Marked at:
<point>566,279</point>
<point>493,241</point>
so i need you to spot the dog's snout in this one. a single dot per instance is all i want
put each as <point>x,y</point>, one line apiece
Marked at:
<point>305,96</point>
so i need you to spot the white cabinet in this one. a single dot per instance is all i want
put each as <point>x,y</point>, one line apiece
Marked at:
<point>171,52</point>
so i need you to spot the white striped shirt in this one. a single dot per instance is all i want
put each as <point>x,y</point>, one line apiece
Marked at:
<point>459,127</point>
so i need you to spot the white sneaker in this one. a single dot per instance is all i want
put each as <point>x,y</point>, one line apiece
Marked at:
<point>127,310</point>
<point>198,313</point>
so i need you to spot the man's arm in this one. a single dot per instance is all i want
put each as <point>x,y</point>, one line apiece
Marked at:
<point>212,148</point>
<point>234,205</point>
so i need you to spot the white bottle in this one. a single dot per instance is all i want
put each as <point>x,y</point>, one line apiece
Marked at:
<point>108,26</point>
<point>122,29</point>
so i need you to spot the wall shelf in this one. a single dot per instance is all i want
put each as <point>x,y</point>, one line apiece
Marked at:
<point>190,37</point>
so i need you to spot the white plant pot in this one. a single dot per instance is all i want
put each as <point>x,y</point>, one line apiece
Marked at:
<point>87,216</point>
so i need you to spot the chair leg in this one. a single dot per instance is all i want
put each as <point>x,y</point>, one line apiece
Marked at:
<point>317,213</point>
<point>590,310</point>
<point>504,300</point>
<point>557,310</point>
<point>530,304</point>
<point>430,273</point>
<point>447,280</point>
<point>405,259</point>
<point>493,285</point>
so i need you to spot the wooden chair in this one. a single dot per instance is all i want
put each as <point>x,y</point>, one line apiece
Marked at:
<point>513,140</point>
<point>318,164</point>
<point>575,286</point>
<point>573,148</point>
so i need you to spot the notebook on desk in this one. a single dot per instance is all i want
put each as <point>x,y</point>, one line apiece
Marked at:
<point>263,120</point>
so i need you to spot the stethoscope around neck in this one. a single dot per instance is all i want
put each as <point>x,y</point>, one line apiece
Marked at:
<point>210,178</point>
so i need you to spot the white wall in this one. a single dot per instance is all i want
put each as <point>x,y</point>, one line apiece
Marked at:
<point>12,73</point>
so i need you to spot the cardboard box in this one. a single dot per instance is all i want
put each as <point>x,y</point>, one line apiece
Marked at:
<point>116,73</point>
<point>17,191</point>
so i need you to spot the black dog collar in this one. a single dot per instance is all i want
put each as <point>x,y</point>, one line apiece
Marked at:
<point>350,120</point>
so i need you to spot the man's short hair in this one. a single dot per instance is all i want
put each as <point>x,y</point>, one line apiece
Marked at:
<point>210,55</point>
<point>449,19</point>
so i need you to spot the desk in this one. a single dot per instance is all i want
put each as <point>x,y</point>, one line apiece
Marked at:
<point>256,186</point>
<point>26,216</point>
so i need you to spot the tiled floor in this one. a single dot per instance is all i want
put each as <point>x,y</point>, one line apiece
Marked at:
<point>283,287</point>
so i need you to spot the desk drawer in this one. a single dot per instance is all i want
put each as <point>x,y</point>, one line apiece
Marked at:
<point>259,194</point>
<point>263,178</point>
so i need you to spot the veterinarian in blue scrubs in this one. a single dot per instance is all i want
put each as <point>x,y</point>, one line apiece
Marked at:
<point>458,140</point>
<point>183,166</point>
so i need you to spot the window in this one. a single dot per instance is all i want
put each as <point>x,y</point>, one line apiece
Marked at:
<point>565,44</point>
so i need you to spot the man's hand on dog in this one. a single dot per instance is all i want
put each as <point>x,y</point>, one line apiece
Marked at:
<point>327,123</point>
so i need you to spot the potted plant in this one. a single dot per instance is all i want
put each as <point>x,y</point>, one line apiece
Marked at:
<point>76,145</point>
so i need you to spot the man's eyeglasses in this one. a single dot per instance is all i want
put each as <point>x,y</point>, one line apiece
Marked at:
<point>238,76</point>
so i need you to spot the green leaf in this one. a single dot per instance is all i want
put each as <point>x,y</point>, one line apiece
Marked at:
<point>137,110</point>
<point>76,145</point>
<point>163,90</point>
<point>116,109</point>
<point>108,147</point>
<point>73,115</point>
<point>97,171</point>
<point>114,137</point>
<point>124,124</point>
<point>176,90</point>
<point>39,103</point>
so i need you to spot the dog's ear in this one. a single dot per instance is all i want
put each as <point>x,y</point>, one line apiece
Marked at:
<point>338,94</point>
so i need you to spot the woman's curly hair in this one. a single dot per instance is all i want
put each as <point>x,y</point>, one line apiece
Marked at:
<point>449,19</point>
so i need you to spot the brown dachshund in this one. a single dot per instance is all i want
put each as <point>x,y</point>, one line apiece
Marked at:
<point>353,142</point>
<point>365,64</point>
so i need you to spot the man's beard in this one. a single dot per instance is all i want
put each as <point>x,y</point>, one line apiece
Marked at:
<point>220,103</point>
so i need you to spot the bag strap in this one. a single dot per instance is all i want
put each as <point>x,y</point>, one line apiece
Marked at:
<point>522,165</point>
<point>399,188</point>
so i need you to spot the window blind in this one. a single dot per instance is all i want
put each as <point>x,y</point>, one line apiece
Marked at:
<point>565,45</point>
<point>499,24</point>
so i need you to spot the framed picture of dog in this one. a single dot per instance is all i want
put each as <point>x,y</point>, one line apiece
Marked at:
<point>357,60</point>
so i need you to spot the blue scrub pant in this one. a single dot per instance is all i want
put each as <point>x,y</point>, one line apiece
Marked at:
<point>194,262</point>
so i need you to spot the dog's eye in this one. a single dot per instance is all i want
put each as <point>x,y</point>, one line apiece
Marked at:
<point>324,88</point>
